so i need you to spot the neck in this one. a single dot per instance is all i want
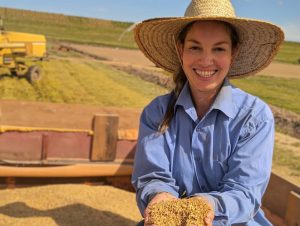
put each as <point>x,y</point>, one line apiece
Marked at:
<point>203,101</point>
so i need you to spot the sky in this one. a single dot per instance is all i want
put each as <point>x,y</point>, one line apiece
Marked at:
<point>285,13</point>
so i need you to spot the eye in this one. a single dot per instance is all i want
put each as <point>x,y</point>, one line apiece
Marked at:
<point>219,49</point>
<point>194,48</point>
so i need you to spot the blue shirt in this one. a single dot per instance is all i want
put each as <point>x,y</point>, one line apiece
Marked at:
<point>226,156</point>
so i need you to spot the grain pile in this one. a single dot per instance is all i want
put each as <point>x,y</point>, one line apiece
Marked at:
<point>68,205</point>
<point>179,212</point>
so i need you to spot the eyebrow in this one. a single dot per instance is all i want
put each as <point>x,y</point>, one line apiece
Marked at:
<point>218,43</point>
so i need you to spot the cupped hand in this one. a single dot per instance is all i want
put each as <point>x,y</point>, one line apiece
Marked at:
<point>208,220</point>
<point>162,196</point>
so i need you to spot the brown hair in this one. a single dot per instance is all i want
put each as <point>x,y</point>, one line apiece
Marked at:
<point>180,77</point>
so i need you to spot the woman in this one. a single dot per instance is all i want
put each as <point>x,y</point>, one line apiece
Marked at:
<point>207,138</point>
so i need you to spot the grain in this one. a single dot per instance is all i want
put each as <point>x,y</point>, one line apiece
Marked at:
<point>68,205</point>
<point>179,212</point>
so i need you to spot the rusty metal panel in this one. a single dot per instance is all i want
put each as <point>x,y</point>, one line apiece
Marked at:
<point>18,146</point>
<point>125,149</point>
<point>67,145</point>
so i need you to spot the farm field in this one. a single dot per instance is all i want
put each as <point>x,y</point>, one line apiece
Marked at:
<point>106,78</point>
<point>74,78</point>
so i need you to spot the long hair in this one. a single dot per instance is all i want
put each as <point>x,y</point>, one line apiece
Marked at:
<point>180,79</point>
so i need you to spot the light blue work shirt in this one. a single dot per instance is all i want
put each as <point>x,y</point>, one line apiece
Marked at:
<point>226,156</point>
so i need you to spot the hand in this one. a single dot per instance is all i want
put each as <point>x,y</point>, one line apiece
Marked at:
<point>208,221</point>
<point>163,196</point>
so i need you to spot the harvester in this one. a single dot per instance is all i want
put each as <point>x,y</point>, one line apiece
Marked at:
<point>15,46</point>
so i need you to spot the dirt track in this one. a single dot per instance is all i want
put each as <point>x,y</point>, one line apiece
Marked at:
<point>136,58</point>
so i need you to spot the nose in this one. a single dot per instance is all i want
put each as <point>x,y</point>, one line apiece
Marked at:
<point>206,59</point>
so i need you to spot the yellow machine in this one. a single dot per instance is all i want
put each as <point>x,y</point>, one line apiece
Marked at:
<point>15,46</point>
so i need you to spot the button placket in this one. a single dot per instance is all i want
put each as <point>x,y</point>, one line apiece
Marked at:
<point>197,153</point>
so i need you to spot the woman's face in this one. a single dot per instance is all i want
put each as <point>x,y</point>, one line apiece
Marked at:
<point>206,55</point>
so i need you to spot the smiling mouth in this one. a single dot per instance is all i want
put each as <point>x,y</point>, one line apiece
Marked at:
<point>205,74</point>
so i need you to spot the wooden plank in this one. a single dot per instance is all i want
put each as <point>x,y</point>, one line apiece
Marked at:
<point>292,216</point>
<point>105,137</point>
<point>74,170</point>
<point>68,146</point>
<point>16,146</point>
<point>276,195</point>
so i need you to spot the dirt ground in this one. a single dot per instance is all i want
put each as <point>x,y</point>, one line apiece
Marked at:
<point>136,58</point>
<point>54,115</point>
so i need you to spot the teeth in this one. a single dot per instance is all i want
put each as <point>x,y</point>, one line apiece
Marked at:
<point>205,73</point>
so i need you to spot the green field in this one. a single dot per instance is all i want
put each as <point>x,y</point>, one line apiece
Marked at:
<point>68,28</point>
<point>81,82</point>
<point>95,31</point>
<point>280,92</point>
<point>289,53</point>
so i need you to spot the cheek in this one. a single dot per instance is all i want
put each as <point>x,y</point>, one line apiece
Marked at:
<point>224,61</point>
<point>187,58</point>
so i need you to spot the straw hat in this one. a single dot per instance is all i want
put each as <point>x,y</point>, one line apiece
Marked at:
<point>258,41</point>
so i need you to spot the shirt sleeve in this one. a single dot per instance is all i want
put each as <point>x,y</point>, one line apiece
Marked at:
<point>239,195</point>
<point>151,173</point>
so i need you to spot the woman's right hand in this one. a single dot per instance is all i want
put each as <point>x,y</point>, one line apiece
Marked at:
<point>162,196</point>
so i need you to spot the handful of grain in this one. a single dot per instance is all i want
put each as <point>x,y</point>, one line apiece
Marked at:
<point>179,212</point>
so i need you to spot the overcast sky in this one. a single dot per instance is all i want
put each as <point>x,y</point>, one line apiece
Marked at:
<point>285,13</point>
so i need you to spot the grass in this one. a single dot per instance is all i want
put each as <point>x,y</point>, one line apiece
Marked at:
<point>95,31</point>
<point>69,28</point>
<point>279,92</point>
<point>283,156</point>
<point>81,82</point>
<point>289,53</point>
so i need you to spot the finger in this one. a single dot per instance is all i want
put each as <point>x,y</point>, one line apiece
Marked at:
<point>210,215</point>
<point>209,218</point>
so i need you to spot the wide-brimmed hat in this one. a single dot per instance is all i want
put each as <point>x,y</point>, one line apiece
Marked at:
<point>258,40</point>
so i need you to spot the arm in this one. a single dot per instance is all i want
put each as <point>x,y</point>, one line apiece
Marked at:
<point>239,194</point>
<point>151,173</point>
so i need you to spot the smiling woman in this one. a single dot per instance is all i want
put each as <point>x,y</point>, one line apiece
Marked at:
<point>206,52</point>
<point>207,138</point>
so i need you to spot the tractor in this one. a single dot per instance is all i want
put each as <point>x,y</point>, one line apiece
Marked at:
<point>15,46</point>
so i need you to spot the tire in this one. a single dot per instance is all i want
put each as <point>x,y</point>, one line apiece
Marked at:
<point>13,72</point>
<point>33,74</point>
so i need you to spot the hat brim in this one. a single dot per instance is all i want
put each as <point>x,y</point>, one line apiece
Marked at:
<point>259,42</point>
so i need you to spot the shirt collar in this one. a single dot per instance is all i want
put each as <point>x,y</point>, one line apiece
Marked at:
<point>185,100</point>
<point>223,101</point>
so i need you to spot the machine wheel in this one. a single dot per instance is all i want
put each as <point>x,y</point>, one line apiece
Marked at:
<point>13,72</point>
<point>33,74</point>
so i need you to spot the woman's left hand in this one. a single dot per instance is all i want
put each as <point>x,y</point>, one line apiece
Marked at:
<point>208,220</point>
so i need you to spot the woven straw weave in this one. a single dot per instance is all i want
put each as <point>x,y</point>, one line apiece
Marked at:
<point>259,41</point>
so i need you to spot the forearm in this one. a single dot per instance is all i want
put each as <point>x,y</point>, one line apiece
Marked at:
<point>232,206</point>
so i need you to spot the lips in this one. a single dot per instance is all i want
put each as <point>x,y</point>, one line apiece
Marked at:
<point>206,73</point>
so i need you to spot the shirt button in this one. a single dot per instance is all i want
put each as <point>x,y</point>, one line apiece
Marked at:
<point>198,129</point>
